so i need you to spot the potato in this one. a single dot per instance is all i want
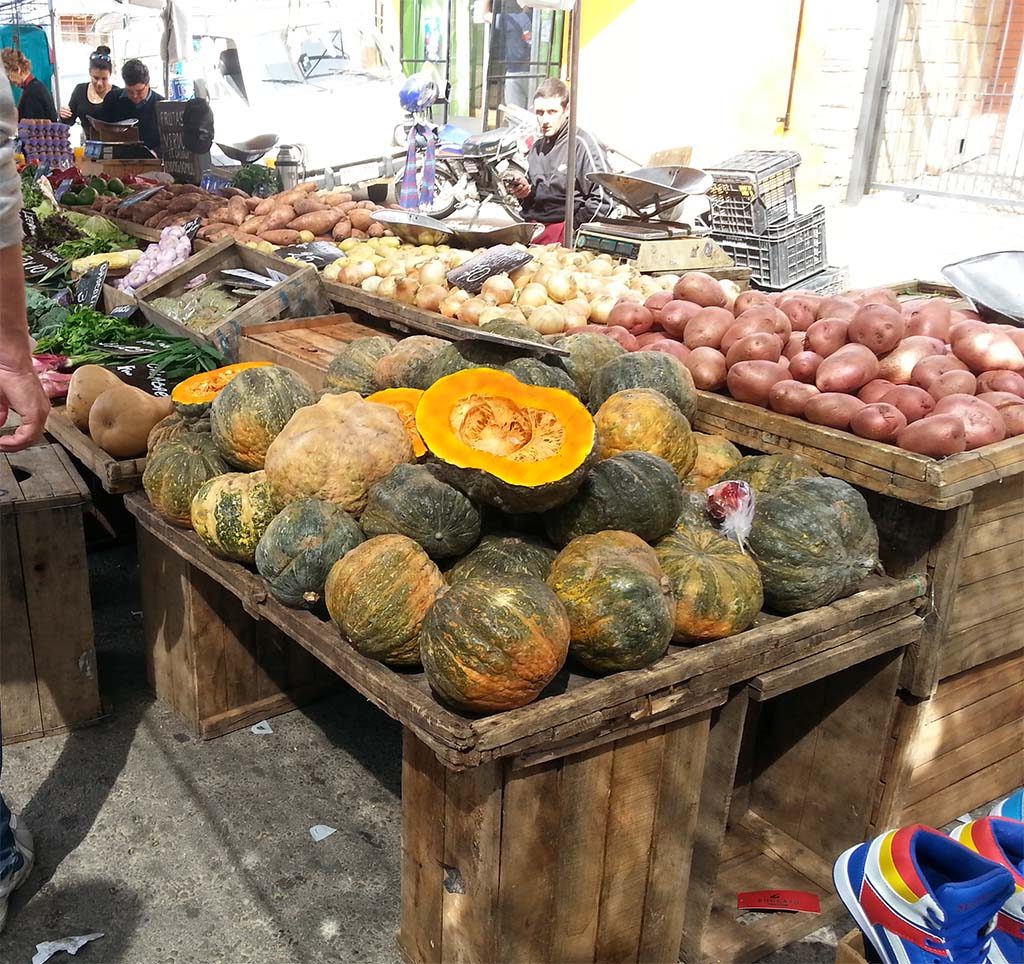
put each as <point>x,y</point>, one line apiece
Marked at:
<point>667,346</point>
<point>280,236</point>
<point>932,317</point>
<point>1000,400</point>
<point>742,327</point>
<point>983,424</point>
<point>875,391</point>
<point>834,409</point>
<point>747,299</point>
<point>827,336</point>
<point>847,370</point>
<point>1017,337</point>
<point>701,289</point>
<point>707,366</point>
<point>789,397</point>
<point>319,222</point>
<point>1001,381</point>
<point>674,316</point>
<point>795,344</point>
<point>361,219</point>
<point>759,346</point>
<point>802,310</point>
<point>878,296</point>
<point>804,366</point>
<point>953,383</point>
<point>898,366</point>
<point>879,422</point>
<point>987,351</point>
<point>752,381</point>
<point>878,327</point>
<point>838,307</point>
<point>778,320</point>
<point>930,368</point>
<point>706,327</point>
<point>1013,419</point>
<point>914,403</point>
<point>937,436</point>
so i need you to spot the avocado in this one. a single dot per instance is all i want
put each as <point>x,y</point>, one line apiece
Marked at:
<point>87,195</point>
<point>116,186</point>
<point>70,199</point>
<point>98,185</point>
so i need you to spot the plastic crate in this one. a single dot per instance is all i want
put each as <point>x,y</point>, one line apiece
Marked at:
<point>831,281</point>
<point>753,190</point>
<point>785,254</point>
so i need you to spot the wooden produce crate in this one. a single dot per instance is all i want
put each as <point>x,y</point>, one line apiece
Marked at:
<point>48,680</point>
<point>116,476</point>
<point>300,296</point>
<point>852,950</point>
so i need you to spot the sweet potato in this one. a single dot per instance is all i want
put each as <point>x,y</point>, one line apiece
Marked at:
<point>827,336</point>
<point>952,383</point>
<point>752,381</point>
<point>238,210</point>
<point>279,217</point>
<point>914,403</point>
<point>280,236</point>
<point>804,366</point>
<point>790,397</point>
<point>252,203</point>
<point>334,200</point>
<point>875,391</point>
<point>184,202</point>
<point>254,224</point>
<point>159,216</point>
<point>342,229</point>
<point>306,187</point>
<point>347,206</point>
<point>758,346</point>
<point>319,222</point>
<point>704,328</point>
<point>221,215</point>
<point>308,205</point>
<point>986,351</point>
<point>878,327</point>
<point>361,218</point>
<point>937,436</point>
<point>143,211</point>
<point>879,422</point>
<point>898,366</point>
<point>834,409</point>
<point>1001,381</point>
<point>847,370</point>
<point>707,366</point>
<point>983,424</point>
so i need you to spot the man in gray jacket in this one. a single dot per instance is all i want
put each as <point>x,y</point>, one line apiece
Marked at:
<point>543,193</point>
<point>20,391</point>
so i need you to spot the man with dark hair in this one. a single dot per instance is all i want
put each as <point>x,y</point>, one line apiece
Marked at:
<point>544,191</point>
<point>137,101</point>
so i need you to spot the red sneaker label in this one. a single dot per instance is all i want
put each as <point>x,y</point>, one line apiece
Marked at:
<point>794,900</point>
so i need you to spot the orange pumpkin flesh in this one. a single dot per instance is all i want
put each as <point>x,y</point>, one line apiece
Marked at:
<point>403,401</point>
<point>194,395</point>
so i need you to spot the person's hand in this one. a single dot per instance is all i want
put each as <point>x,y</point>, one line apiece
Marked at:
<point>21,390</point>
<point>65,113</point>
<point>520,188</point>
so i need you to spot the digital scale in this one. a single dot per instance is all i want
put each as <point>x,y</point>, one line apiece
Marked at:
<point>645,240</point>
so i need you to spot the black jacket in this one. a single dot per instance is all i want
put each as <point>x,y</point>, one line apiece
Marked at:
<point>117,106</point>
<point>547,165</point>
<point>82,108</point>
<point>36,102</point>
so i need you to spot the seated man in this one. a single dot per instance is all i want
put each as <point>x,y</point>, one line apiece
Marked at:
<point>544,192</point>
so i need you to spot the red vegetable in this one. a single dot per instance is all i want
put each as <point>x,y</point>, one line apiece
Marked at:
<point>880,422</point>
<point>878,327</point>
<point>706,328</point>
<point>1001,381</point>
<point>675,315</point>
<point>668,347</point>
<point>914,403</point>
<point>938,436</point>
<point>827,336</point>
<point>635,318</point>
<point>790,397</point>
<point>875,391</point>
<point>707,366</point>
<point>847,370</point>
<point>983,424</point>
<point>834,409</point>
<point>751,381</point>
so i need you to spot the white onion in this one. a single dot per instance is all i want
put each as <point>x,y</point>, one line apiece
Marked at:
<point>500,287</point>
<point>533,296</point>
<point>561,287</point>
<point>549,320</point>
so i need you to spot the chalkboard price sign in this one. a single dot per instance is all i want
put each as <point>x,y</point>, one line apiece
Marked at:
<point>191,228</point>
<point>38,263</point>
<point>123,312</point>
<point>178,159</point>
<point>90,285</point>
<point>29,222</point>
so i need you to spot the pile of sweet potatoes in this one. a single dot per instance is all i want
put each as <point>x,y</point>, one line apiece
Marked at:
<point>174,204</point>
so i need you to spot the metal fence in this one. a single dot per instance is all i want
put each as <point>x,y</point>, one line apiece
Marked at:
<point>944,108</point>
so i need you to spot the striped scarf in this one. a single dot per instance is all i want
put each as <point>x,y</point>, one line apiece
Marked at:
<point>412,194</point>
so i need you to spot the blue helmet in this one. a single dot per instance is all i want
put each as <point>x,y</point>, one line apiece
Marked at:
<point>418,92</point>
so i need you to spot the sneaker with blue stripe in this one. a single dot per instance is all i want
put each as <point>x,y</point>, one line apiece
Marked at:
<point>1012,806</point>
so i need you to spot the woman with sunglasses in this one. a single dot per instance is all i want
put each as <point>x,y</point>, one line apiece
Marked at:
<point>87,99</point>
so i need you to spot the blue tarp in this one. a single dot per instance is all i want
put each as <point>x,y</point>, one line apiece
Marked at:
<point>34,44</point>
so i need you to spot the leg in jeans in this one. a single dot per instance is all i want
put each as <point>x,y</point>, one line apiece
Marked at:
<point>517,89</point>
<point>10,859</point>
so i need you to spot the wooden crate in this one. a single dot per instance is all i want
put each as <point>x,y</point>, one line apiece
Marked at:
<point>48,678</point>
<point>114,475</point>
<point>300,296</point>
<point>958,750</point>
<point>852,950</point>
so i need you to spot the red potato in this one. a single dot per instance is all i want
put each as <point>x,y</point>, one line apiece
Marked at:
<point>983,424</point>
<point>953,383</point>
<point>751,381</point>
<point>879,422</point>
<point>938,436</point>
<point>759,346</point>
<point>649,337</point>
<point>778,321</point>
<point>620,335</point>
<point>987,351</point>
<point>915,403</point>
<point>1017,337</point>
<point>701,289</point>
<point>878,296</point>
<point>707,366</point>
<point>747,299</point>
<point>789,397</point>
<point>668,347</point>
<point>834,409</point>
<point>838,307</point>
<point>1013,419</point>
<point>748,326</point>
<point>827,336</point>
<point>933,318</point>
<point>930,368</point>
<point>960,328</point>
<point>636,319</point>
<point>706,327</point>
<point>656,302</point>
<point>804,366</point>
<point>675,316</point>
<point>847,370</point>
<point>878,327</point>
<point>898,366</point>
<point>1000,400</point>
<point>875,391</point>
<point>802,310</point>
<point>1001,381</point>
<point>795,344</point>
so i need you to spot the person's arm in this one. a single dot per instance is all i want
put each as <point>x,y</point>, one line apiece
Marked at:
<point>20,389</point>
<point>592,201</point>
<point>71,113</point>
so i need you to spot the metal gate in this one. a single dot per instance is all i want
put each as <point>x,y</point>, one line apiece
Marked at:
<point>944,101</point>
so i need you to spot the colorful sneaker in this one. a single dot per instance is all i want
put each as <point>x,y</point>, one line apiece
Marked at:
<point>1012,806</point>
<point>10,883</point>
<point>920,897</point>
<point>1001,840</point>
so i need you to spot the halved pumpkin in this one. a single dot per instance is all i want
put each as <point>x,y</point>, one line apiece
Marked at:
<point>522,448</point>
<point>403,401</point>
<point>194,396</point>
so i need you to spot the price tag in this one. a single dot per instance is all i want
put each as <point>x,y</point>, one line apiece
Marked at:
<point>29,222</point>
<point>90,285</point>
<point>191,228</point>
<point>145,377</point>
<point>791,900</point>
<point>141,196</point>
<point>250,276</point>
<point>123,312</point>
<point>39,263</point>
<point>471,275</point>
<point>317,253</point>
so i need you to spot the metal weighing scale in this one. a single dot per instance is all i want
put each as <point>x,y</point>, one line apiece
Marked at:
<point>645,240</point>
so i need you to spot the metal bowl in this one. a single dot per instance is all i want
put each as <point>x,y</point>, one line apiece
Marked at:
<point>522,232</point>
<point>414,228</point>
<point>992,282</point>
<point>246,152</point>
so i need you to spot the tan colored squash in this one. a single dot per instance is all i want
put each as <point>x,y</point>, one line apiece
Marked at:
<point>86,385</point>
<point>121,419</point>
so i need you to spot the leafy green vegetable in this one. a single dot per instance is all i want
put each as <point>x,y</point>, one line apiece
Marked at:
<point>83,329</point>
<point>44,314</point>
<point>257,180</point>
<point>95,226</point>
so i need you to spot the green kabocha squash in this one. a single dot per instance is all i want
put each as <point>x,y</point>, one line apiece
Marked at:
<point>814,542</point>
<point>175,426</point>
<point>231,512</point>
<point>379,594</point>
<point>393,370</point>
<point>493,643</point>
<point>766,474</point>
<point>299,548</point>
<point>694,514</point>
<point>716,458</point>
<point>510,555</point>
<point>425,371</point>
<point>412,502</point>
<point>194,395</point>
<point>250,411</point>
<point>353,368</point>
<point>485,353</point>
<point>644,420</point>
<point>717,586</point>
<point>620,610</point>
<point>588,351</point>
<point>177,469</point>
<point>511,328</point>
<point>645,369</point>
<point>635,492</point>
<point>532,371</point>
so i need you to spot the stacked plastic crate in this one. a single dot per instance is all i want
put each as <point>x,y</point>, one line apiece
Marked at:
<point>754,218</point>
